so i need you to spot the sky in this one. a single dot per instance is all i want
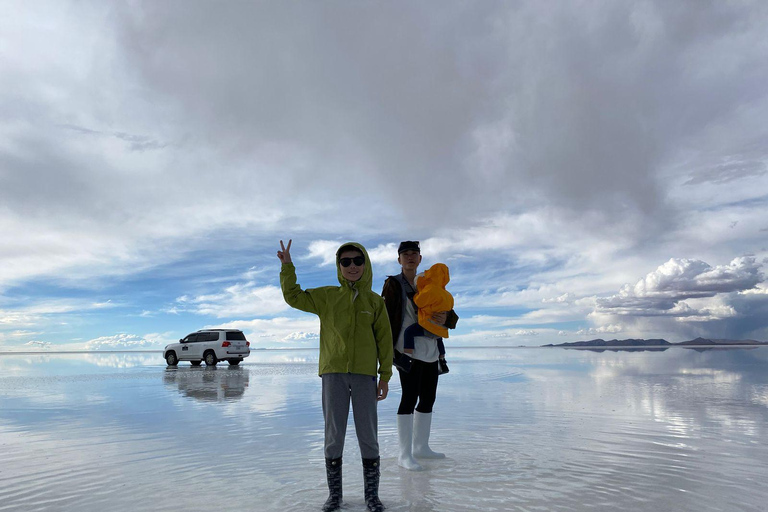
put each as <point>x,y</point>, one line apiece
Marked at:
<point>586,169</point>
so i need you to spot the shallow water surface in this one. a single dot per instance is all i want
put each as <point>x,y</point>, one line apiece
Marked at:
<point>524,429</point>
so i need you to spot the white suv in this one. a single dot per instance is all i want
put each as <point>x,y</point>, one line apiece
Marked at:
<point>209,345</point>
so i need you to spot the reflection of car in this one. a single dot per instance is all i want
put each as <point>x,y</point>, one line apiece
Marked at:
<point>211,346</point>
<point>209,384</point>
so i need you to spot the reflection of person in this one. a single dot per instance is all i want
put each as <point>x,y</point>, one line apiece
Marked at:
<point>419,385</point>
<point>355,336</point>
<point>431,298</point>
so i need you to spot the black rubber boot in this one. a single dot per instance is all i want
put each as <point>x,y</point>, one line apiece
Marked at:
<point>371,475</point>
<point>333,472</point>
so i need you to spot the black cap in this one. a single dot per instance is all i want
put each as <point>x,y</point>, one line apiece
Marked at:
<point>409,245</point>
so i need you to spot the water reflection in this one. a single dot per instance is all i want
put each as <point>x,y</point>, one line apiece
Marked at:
<point>524,429</point>
<point>123,360</point>
<point>627,349</point>
<point>208,384</point>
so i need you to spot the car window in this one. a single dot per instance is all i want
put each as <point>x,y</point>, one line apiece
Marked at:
<point>191,338</point>
<point>209,336</point>
<point>235,336</point>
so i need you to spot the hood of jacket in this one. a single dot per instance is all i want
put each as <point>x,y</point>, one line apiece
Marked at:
<point>366,280</point>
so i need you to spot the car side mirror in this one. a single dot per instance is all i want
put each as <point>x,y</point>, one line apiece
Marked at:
<point>181,341</point>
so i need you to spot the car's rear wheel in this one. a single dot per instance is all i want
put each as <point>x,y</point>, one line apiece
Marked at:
<point>195,363</point>
<point>234,362</point>
<point>210,358</point>
<point>171,359</point>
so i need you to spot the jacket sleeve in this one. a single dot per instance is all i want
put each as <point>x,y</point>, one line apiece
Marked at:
<point>393,301</point>
<point>382,331</point>
<point>450,322</point>
<point>292,293</point>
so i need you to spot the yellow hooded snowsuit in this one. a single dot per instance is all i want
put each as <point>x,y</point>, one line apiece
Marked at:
<point>432,297</point>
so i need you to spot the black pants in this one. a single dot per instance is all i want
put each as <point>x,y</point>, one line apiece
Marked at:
<point>419,385</point>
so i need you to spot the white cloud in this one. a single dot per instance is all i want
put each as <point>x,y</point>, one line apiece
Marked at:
<point>562,299</point>
<point>302,336</point>
<point>238,300</point>
<point>325,250</point>
<point>38,344</point>
<point>41,313</point>
<point>760,289</point>
<point>665,290</point>
<point>121,342</point>
<point>603,329</point>
<point>278,330</point>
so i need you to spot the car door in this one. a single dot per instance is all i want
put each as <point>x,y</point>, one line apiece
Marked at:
<point>190,348</point>
<point>209,340</point>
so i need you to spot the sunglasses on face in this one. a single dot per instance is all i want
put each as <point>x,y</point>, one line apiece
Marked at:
<point>357,260</point>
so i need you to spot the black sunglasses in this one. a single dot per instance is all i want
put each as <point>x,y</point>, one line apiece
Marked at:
<point>357,260</point>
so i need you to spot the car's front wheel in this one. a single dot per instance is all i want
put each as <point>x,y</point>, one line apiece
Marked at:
<point>210,358</point>
<point>234,362</point>
<point>171,359</point>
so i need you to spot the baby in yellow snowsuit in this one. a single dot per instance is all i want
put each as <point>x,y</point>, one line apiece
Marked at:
<point>431,297</point>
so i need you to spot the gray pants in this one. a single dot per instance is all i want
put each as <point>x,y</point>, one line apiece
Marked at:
<point>338,389</point>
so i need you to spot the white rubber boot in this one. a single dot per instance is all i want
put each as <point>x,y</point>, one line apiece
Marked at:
<point>405,436</point>
<point>422,423</point>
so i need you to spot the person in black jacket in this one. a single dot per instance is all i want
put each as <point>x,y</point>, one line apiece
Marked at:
<point>419,384</point>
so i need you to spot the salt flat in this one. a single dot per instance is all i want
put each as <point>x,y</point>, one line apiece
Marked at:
<point>524,429</point>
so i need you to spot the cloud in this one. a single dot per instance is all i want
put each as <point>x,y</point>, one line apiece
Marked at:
<point>298,330</point>
<point>760,289</point>
<point>40,313</point>
<point>725,173</point>
<point>664,291</point>
<point>546,151</point>
<point>38,344</point>
<point>603,329</point>
<point>572,104</point>
<point>237,300</point>
<point>136,142</point>
<point>562,299</point>
<point>121,342</point>
<point>325,250</point>
<point>302,336</point>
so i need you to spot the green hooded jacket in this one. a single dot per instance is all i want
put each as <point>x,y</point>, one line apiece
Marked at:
<point>354,325</point>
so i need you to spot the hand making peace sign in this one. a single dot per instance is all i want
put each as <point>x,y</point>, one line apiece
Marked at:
<point>285,255</point>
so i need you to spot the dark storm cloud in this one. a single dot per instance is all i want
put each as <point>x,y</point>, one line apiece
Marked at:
<point>486,105</point>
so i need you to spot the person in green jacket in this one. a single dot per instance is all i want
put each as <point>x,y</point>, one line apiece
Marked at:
<point>355,338</point>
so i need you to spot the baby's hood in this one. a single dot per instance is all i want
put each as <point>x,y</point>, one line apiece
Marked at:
<point>437,274</point>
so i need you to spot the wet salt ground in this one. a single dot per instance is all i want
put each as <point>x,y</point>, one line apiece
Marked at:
<point>524,429</point>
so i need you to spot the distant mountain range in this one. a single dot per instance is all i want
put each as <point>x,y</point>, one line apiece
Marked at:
<point>656,343</point>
